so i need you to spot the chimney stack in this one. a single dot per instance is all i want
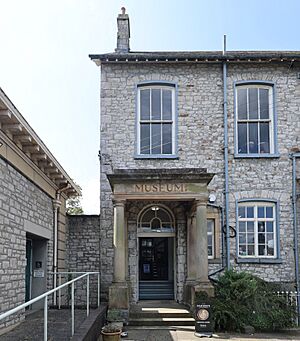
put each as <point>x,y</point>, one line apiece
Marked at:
<point>123,32</point>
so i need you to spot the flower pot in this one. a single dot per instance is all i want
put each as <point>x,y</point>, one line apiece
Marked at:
<point>111,336</point>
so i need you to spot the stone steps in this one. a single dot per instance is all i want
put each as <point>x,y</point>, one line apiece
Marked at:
<point>160,313</point>
<point>165,321</point>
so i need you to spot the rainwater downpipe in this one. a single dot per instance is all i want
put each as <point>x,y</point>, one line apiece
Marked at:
<point>56,206</point>
<point>296,252</point>
<point>226,156</point>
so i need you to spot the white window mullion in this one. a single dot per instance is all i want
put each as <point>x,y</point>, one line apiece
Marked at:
<point>271,124</point>
<point>150,130</point>
<point>173,122</point>
<point>161,119</point>
<point>139,122</point>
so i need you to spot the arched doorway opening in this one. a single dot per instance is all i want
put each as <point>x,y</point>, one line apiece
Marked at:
<point>156,234</point>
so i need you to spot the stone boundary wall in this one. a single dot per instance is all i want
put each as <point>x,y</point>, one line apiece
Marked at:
<point>83,252</point>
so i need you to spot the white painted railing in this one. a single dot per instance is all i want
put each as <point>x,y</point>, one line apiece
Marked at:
<point>53,291</point>
<point>291,299</point>
<point>62,274</point>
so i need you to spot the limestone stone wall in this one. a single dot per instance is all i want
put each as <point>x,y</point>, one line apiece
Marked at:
<point>20,201</point>
<point>200,143</point>
<point>83,253</point>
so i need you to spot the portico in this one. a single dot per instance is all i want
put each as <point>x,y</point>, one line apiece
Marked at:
<point>159,190</point>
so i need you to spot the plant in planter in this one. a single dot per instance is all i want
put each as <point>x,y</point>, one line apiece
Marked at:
<point>111,332</point>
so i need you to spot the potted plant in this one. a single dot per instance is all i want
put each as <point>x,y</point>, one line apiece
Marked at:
<point>111,332</point>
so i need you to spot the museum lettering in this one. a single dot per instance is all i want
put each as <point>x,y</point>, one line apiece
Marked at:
<point>152,188</point>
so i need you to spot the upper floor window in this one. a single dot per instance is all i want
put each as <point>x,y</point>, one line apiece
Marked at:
<point>255,119</point>
<point>156,120</point>
<point>257,230</point>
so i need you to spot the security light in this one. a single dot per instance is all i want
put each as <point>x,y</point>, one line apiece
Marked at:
<point>212,198</point>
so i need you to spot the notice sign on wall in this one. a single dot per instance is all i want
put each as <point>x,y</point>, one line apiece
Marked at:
<point>203,323</point>
<point>38,273</point>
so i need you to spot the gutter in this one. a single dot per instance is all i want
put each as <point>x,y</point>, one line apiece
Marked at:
<point>226,157</point>
<point>295,232</point>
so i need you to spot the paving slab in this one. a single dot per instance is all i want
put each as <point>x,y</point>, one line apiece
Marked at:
<point>59,326</point>
<point>187,334</point>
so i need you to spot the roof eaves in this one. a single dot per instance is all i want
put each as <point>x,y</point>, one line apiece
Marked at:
<point>34,146</point>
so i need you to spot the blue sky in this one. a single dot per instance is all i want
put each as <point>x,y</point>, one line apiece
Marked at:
<point>46,72</point>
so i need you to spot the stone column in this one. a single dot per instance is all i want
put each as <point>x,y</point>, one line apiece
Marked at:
<point>191,250</point>
<point>118,291</point>
<point>119,242</point>
<point>203,283</point>
<point>197,255</point>
<point>201,256</point>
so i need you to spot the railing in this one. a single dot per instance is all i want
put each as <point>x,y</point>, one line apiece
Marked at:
<point>62,274</point>
<point>291,300</point>
<point>53,291</point>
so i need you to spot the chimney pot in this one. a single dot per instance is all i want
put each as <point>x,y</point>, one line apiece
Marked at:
<point>123,10</point>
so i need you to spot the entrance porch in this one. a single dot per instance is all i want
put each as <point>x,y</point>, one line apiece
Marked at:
<point>160,235</point>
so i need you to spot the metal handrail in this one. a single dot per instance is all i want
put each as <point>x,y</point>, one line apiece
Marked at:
<point>50,292</point>
<point>60,273</point>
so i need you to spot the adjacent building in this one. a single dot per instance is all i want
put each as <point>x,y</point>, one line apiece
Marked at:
<point>199,169</point>
<point>33,192</point>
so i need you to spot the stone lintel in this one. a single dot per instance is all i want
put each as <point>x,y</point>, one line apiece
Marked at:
<point>177,174</point>
<point>186,184</point>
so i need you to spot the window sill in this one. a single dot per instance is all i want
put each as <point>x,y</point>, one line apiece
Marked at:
<point>260,156</point>
<point>260,260</point>
<point>156,156</point>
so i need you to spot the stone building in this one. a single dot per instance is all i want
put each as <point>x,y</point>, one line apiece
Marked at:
<point>33,192</point>
<point>197,154</point>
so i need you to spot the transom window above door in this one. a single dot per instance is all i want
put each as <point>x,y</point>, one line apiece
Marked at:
<point>255,133</point>
<point>156,120</point>
<point>156,219</point>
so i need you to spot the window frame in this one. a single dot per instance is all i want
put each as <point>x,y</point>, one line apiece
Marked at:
<point>157,85</point>
<point>273,117</point>
<point>212,233</point>
<point>257,258</point>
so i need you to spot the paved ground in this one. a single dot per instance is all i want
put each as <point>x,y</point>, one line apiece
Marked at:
<point>187,334</point>
<point>32,329</point>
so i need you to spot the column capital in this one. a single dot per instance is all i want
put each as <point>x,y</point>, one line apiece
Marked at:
<point>119,202</point>
<point>200,202</point>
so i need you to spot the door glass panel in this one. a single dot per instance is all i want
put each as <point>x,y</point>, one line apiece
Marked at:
<point>154,259</point>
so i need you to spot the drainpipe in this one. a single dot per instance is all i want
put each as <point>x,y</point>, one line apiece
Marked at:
<point>56,205</point>
<point>226,157</point>
<point>296,252</point>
